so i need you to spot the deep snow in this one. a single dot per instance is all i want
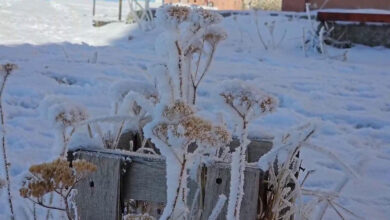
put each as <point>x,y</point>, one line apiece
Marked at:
<point>55,45</point>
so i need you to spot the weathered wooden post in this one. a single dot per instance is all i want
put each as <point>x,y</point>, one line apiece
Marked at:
<point>124,175</point>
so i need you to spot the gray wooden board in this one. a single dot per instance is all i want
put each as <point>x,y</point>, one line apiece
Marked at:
<point>256,148</point>
<point>100,202</point>
<point>221,174</point>
<point>144,178</point>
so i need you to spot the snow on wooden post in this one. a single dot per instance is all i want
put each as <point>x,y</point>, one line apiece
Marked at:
<point>125,175</point>
<point>98,196</point>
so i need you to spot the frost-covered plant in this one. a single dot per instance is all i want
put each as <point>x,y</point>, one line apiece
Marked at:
<point>5,72</point>
<point>189,41</point>
<point>65,116</point>
<point>188,44</point>
<point>173,132</point>
<point>270,27</point>
<point>141,14</point>
<point>320,38</point>
<point>55,177</point>
<point>282,199</point>
<point>136,100</point>
<point>246,103</point>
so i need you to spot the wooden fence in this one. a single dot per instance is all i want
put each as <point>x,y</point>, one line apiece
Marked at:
<point>124,175</point>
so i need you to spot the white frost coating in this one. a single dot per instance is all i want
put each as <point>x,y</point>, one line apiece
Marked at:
<point>233,193</point>
<point>81,140</point>
<point>246,103</point>
<point>172,163</point>
<point>218,207</point>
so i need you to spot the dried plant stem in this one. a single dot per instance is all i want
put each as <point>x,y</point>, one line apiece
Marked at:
<point>66,140</point>
<point>4,148</point>
<point>180,65</point>
<point>258,31</point>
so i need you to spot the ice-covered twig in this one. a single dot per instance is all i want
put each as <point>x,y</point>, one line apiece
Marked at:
<point>218,207</point>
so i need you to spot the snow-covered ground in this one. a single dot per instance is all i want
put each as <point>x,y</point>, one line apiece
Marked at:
<point>55,46</point>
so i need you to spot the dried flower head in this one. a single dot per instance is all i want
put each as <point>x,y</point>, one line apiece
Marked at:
<point>178,111</point>
<point>55,176</point>
<point>182,123</point>
<point>178,12</point>
<point>204,132</point>
<point>246,100</point>
<point>8,68</point>
<point>205,17</point>
<point>71,117</point>
<point>214,35</point>
<point>172,15</point>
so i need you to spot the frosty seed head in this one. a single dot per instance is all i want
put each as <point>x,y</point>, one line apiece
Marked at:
<point>182,123</point>
<point>214,35</point>
<point>70,117</point>
<point>47,177</point>
<point>205,17</point>
<point>172,15</point>
<point>204,132</point>
<point>177,111</point>
<point>246,100</point>
<point>8,68</point>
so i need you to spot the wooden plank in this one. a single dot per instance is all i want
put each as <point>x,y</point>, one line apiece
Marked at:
<point>145,179</point>
<point>357,17</point>
<point>256,148</point>
<point>218,182</point>
<point>98,195</point>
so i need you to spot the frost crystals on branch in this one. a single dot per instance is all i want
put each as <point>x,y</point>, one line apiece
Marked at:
<point>246,103</point>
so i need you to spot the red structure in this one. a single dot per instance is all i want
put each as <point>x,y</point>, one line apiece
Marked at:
<point>299,5</point>
<point>359,17</point>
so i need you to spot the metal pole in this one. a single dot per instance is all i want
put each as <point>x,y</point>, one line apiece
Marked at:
<point>120,10</point>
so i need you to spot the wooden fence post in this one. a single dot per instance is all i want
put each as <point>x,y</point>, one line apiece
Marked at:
<point>98,195</point>
<point>122,175</point>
